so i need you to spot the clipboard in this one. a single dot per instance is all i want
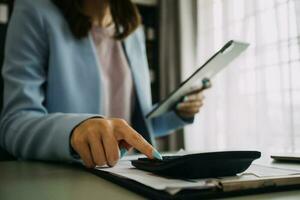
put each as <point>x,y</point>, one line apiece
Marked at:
<point>223,189</point>
<point>208,70</point>
<point>260,177</point>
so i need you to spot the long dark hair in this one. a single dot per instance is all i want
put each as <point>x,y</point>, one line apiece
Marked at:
<point>124,13</point>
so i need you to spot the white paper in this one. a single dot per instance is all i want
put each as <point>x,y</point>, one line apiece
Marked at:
<point>3,13</point>
<point>126,170</point>
<point>268,171</point>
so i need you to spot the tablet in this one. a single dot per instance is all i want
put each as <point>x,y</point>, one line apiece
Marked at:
<point>211,67</point>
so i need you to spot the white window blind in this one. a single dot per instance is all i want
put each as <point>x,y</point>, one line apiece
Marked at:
<point>255,102</point>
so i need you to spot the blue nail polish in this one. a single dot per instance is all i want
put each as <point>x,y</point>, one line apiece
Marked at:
<point>123,152</point>
<point>185,98</point>
<point>206,83</point>
<point>156,155</point>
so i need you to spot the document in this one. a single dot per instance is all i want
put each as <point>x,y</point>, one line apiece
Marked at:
<point>126,170</point>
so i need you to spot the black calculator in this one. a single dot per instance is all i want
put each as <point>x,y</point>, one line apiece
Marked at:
<point>199,165</point>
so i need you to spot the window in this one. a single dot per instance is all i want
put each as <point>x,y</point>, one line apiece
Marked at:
<point>255,101</point>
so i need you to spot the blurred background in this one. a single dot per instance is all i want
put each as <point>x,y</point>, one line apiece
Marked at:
<point>254,102</point>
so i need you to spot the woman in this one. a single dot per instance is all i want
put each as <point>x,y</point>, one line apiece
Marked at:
<point>76,83</point>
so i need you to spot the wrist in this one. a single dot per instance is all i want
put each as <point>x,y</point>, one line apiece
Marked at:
<point>183,118</point>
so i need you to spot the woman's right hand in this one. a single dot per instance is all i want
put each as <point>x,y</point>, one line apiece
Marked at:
<point>98,141</point>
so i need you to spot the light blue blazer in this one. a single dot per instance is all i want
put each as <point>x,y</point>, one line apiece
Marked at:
<point>52,83</point>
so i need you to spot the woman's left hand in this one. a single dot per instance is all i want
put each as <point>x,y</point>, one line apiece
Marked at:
<point>192,102</point>
<point>190,105</point>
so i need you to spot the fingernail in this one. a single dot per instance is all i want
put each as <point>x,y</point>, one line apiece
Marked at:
<point>156,155</point>
<point>185,98</point>
<point>123,152</point>
<point>206,83</point>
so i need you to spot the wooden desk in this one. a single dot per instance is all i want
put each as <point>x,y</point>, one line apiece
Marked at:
<point>37,180</point>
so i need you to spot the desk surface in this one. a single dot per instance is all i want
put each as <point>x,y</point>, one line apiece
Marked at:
<point>37,180</point>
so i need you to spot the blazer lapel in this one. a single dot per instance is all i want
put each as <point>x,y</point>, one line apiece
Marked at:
<point>139,68</point>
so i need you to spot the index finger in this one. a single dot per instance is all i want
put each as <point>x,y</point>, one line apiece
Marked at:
<point>137,141</point>
<point>194,97</point>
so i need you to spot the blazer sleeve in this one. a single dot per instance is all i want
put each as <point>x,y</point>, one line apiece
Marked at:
<point>163,125</point>
<point>27,130</point>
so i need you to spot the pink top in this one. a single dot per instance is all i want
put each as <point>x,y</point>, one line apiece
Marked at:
<point>118,92</point>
